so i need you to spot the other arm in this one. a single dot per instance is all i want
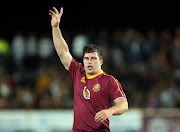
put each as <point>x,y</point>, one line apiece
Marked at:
<point>121,106</point>
<point>59,42</point>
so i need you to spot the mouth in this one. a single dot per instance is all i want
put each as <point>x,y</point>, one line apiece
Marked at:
<point>89,67</point>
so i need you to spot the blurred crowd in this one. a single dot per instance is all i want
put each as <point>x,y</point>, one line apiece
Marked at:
<point>146,63</point>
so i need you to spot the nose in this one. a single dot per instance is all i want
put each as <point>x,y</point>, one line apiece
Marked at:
<point>89,61</point>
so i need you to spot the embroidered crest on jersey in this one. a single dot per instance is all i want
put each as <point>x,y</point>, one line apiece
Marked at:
<point>86,93</point>
<point>96,88</point>
<point>83,80</point>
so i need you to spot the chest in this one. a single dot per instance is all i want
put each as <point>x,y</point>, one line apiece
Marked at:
<point>96,88</point>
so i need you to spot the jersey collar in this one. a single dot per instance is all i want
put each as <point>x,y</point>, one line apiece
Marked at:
<point>93,76</point>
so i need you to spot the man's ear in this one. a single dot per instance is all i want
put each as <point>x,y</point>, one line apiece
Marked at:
<point>101,62</point>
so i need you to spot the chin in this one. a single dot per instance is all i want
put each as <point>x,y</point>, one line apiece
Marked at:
<point>90,72</point>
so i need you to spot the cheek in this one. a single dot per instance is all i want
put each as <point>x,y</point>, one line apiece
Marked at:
<point>84,64</point>
<point>97,63</point>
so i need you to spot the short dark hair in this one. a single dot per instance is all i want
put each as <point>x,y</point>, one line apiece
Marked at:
<point>91,48</point>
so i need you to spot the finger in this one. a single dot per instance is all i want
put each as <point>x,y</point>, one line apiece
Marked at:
<point>103,119</point>
<point>99,119</point>
<point>52,12</point>
<point>99,116</point>
<point>100,113</point>
<point>61,11</point>
<point>56,10</point>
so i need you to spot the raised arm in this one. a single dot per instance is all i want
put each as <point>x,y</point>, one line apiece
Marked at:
<point>59,42</point>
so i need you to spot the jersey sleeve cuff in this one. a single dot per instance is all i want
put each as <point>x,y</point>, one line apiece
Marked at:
<point>118,98</point>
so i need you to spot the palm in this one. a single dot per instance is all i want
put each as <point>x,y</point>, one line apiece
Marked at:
<point>56,16</point>
<point>55,21</point>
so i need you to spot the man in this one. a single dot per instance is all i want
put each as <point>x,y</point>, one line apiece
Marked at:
<point>94,90</point>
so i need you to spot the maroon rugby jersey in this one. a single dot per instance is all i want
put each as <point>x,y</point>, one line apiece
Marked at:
<point>91,95</point>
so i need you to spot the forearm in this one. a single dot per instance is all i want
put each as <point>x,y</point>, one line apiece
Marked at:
<point>59,42</point>
<point>119,108</point>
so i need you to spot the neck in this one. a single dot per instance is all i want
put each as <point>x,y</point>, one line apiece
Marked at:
<point>90,76</point>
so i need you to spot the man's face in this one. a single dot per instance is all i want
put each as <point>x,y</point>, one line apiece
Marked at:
<point>92,63</point>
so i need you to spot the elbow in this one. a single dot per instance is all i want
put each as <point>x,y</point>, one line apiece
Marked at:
<point>122,106</point>
<point>125,108</point>
<point>122,110</point>
<point>60,54</point>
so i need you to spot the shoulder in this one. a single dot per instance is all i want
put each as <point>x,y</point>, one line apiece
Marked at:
<point>75,68</point>
<point>76,64</point>
<point>112,81</point>
<point>79,68</point>
<point>105,75</point>
<point>109,77</point>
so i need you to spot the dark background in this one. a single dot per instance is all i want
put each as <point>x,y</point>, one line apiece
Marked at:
<point>32,15</point>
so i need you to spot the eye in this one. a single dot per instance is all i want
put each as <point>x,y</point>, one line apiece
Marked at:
<point>86,58</point>
<point>94,58</point>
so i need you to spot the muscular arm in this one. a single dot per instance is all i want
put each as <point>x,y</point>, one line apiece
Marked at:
<point>59,42</point>
<point>121,106</point>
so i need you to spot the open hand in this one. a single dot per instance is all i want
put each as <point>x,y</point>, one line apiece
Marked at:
<point>56,16</point>
<point>102,115</point>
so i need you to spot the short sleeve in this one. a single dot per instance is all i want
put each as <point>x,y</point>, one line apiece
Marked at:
<point>116,90</point>
<point>73,69</point>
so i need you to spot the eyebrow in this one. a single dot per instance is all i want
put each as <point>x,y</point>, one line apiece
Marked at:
<point>90,57</point>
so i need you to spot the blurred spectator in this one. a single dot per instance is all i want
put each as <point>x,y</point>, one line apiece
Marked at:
<point>102,39</point>
<point>55,87</point>
<point>78,43</point>
<point>176,53</point>
<point>4,87</point>
<point>153,100</point>
<point>31,48</point>
<point>45,100</point>
<point>176,57</point>
<point>45,49</point>
<point>18,48</point>
<point>4,48</point>
<point>117,57</point>
<point>43,80</point>
<point>135,48</point>
<point>127,38</point>
<point>151,45</point>
<point>166,44</point>
<point>31,59</point>
<point>177,98</point>
<point>167,93</point>
<point>27,97</point>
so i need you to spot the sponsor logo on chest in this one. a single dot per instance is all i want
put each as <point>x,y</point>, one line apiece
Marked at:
<point>96,88</point>
<point>86,93</point>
